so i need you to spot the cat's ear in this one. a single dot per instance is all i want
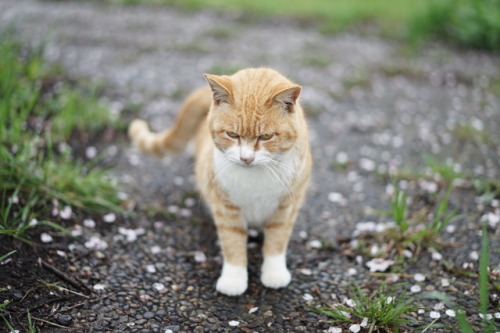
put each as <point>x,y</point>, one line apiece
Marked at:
<point>221,87</point>
<point>288,97</point>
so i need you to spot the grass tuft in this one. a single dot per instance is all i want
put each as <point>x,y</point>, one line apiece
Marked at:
<point>39,112</point>
<point>382,310</point>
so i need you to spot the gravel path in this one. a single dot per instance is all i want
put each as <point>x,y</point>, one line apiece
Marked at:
<point>373,109</point>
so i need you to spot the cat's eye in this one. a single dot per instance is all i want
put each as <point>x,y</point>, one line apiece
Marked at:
<point>266,136</point>
<point>233,135</point>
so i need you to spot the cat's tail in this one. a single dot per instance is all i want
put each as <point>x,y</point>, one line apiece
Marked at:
<point>174,139</point>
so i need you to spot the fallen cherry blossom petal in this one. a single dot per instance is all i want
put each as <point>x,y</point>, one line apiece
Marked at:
<point>434,315</point>
<point>159,286</point>
<point>252,310</point>
<point>415,289</point>
<point>234,323</point>
<point>89,223</point>
<point>364,323</point>
<point>419,277</point>
<point>200,256</point>
<point>307,297</point>
<point>450,313</point>
<point>109,218</point>
<point>99,286</point>
<point>306,271</point>
<point>96,243</point>
<point>151,268</point>
<point>379,264</point>
<point>354,328</point>
<point>334,330</point>
<point>315,244</point>
<point>46,238</point>
<point>66,213</point>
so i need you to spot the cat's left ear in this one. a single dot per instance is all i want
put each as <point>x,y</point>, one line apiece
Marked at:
<point>288,97</point>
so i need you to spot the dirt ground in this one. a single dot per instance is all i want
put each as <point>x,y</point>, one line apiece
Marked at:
<point>374,108</point>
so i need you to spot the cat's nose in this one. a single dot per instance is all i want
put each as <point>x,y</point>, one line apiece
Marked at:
<point>247,160</point>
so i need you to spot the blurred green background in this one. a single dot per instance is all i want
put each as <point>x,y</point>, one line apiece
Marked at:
<point>469,23</point>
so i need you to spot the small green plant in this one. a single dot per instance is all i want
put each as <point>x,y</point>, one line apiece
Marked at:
<point>37,167</point>
<point>471,23</point>
<point>380,312</point>
<point>488,324</point>
<point>420,233</point>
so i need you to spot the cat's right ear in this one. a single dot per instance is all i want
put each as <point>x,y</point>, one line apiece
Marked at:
<point>220,86</point>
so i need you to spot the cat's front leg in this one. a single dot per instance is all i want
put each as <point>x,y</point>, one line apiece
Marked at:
<point>233,238</point>
<point>274,273</point>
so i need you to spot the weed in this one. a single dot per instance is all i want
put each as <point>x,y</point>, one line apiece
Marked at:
<point>487,324</point>
<point>380,311</point>
<point>418,235</point>
<point>472,23</point>
<point>38,113</point>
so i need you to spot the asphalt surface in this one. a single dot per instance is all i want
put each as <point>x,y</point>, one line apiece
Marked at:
<point>373,109</point>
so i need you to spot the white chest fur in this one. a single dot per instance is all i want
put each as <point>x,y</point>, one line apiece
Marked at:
<point>256,190</point>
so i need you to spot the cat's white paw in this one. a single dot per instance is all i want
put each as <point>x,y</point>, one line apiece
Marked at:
<point>274,272</point>
<point>233,280</point>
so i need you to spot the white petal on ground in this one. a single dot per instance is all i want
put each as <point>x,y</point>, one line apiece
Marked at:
<point>33,222</point>
<point>334,330</point>
<point>303,234</point>
<point>96,243</point>
<point>492,219</point>
<point>200,256</point>
<point>354,328</point>
<point>419,277</point>
<point>99,286</point>
<point>66,213</point>
<point>445,282</point>
<point>389,300</point>
<point>305,271</point>
<point>352,271</point>
<point>379,264</point>
<point>415,289</point>
<point>151,268</point>
<point>350,303</point>
<point>364,323</point>
<point>434,315</point>
<point>109,218</point>
<point>315,244</point>
<point>307,297</point>
<point>189,202</point>
<point>438,307</point>
<point>338,198</point>
<point>91,152</point>
<point>450,313</point>
<point>408,254</point>
<point>76,231</point>
<point>234,323</point>
<point>46,238</point>
<point>61,253</point>
<point>367,164</point>
<point>342,157</point>
<point>89,223</point>
<point>155,249</point>
<point>159,286</point>
<point>252,310</point>
<point>474,255</point>
<point>131,234</point>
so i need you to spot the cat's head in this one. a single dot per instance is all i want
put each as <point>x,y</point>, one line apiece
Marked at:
<point>253,119</point>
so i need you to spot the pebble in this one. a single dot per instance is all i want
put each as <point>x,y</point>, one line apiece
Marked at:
<point>65,319</point>
<point>148,315</point>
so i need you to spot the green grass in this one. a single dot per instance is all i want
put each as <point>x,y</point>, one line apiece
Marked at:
<point>471,23</point>
<point>39,112</point>
<point>420,232</point>
<point>384,310</point>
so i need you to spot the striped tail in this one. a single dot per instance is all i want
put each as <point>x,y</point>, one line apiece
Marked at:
<point>174,139</point>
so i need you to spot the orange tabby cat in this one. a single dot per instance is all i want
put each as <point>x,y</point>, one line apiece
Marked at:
<point>253,164</point>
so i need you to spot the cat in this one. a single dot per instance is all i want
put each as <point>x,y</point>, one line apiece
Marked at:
<point>253,164</point>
